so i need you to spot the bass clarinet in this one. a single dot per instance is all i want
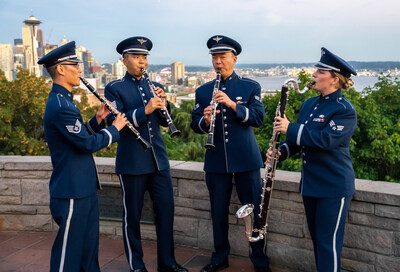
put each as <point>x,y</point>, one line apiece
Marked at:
<point>268,181</point>
<point>174,131</point>
<point>146,145</point>
<point>210,140</point>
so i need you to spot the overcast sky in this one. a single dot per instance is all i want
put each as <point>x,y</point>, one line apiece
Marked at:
<point>275,31</point>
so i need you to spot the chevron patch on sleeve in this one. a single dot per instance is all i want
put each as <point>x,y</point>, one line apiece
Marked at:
<point>75,128</point>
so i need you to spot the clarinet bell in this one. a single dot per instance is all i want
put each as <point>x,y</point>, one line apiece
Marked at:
<point>209,146</point>
<point>210,142</point>
<point>174,131</point>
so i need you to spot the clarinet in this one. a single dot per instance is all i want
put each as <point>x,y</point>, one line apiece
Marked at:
<point>146,145</point>
<point>210,140</point>
<point>268,181</point>
<point>174,131</point>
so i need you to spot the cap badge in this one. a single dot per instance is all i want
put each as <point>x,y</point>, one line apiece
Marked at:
<point>142,41</point>
<point>322,52</point>
<point>217,39</point>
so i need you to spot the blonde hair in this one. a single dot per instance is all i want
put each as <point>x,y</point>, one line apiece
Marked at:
<point>345,83</point>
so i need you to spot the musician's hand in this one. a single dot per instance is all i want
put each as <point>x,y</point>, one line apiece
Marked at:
<point>281,124</point>
<point>269,154</point>
<point>224,99</point>
<point>101,113</point>
<point>160,93</point>
<point>207,114</point>
<point>154,103</point>
<point>120,121</point>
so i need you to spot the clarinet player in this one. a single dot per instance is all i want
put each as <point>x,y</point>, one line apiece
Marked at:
<point>74,181</point>
<point>236,153</point>
<point>322,134</point>
<point>141,170</point>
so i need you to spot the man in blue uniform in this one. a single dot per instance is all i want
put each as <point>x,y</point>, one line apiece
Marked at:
<point>236,154</point>
<point>141,170</point>
<point>74,181</point>
<point>322,134</point>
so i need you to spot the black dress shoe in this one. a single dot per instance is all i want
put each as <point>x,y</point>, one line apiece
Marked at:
<point>213,267</point>
<point>174,268</point>
<point>139,270</point>
<point>262,269</point>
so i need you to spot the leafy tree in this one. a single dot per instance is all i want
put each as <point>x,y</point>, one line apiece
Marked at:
<point>376,149</point>
<point>190,145</point>
<point>22,104</point>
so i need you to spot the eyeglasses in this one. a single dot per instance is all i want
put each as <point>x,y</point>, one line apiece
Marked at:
<point>76,64</point>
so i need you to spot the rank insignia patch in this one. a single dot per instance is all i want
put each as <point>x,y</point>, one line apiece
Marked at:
<point>76,128</point>
<point>318,120</point>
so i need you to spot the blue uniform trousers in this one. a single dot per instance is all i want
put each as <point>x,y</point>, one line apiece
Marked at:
<point>326,218</point>
<point>77,242</point>
<point>159,185</point>
<point>248,187</point>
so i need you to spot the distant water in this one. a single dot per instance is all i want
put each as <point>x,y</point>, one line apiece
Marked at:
<point>275,83</point>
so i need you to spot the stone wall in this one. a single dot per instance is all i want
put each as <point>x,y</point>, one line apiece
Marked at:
<point>372,238</point>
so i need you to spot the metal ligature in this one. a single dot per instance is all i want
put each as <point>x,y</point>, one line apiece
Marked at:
<point>174,131</point>
<point>268,181</point>
<point>210,140</point>
<point>146,145</point>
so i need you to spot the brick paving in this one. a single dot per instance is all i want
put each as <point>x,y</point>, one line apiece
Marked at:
<point>30,252</point>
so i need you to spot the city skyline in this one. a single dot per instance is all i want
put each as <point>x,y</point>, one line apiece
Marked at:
<point>290,31</point>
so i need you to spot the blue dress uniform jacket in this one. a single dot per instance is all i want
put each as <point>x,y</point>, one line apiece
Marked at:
<point>130,96</point>
<point>71,144</point>
<point>236,148</point>
<point>322,133</point>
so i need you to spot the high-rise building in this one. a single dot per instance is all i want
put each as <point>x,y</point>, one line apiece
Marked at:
<point>19,56</point>
<point>86,57</point>
<point>40,49</point>
<point>30,42</point>
<point>18,42</point>
<point>119,69</point>
<point>6,60</point>
<point>178,72</point>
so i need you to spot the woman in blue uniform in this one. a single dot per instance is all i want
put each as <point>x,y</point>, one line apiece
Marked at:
<point>322,134</point>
